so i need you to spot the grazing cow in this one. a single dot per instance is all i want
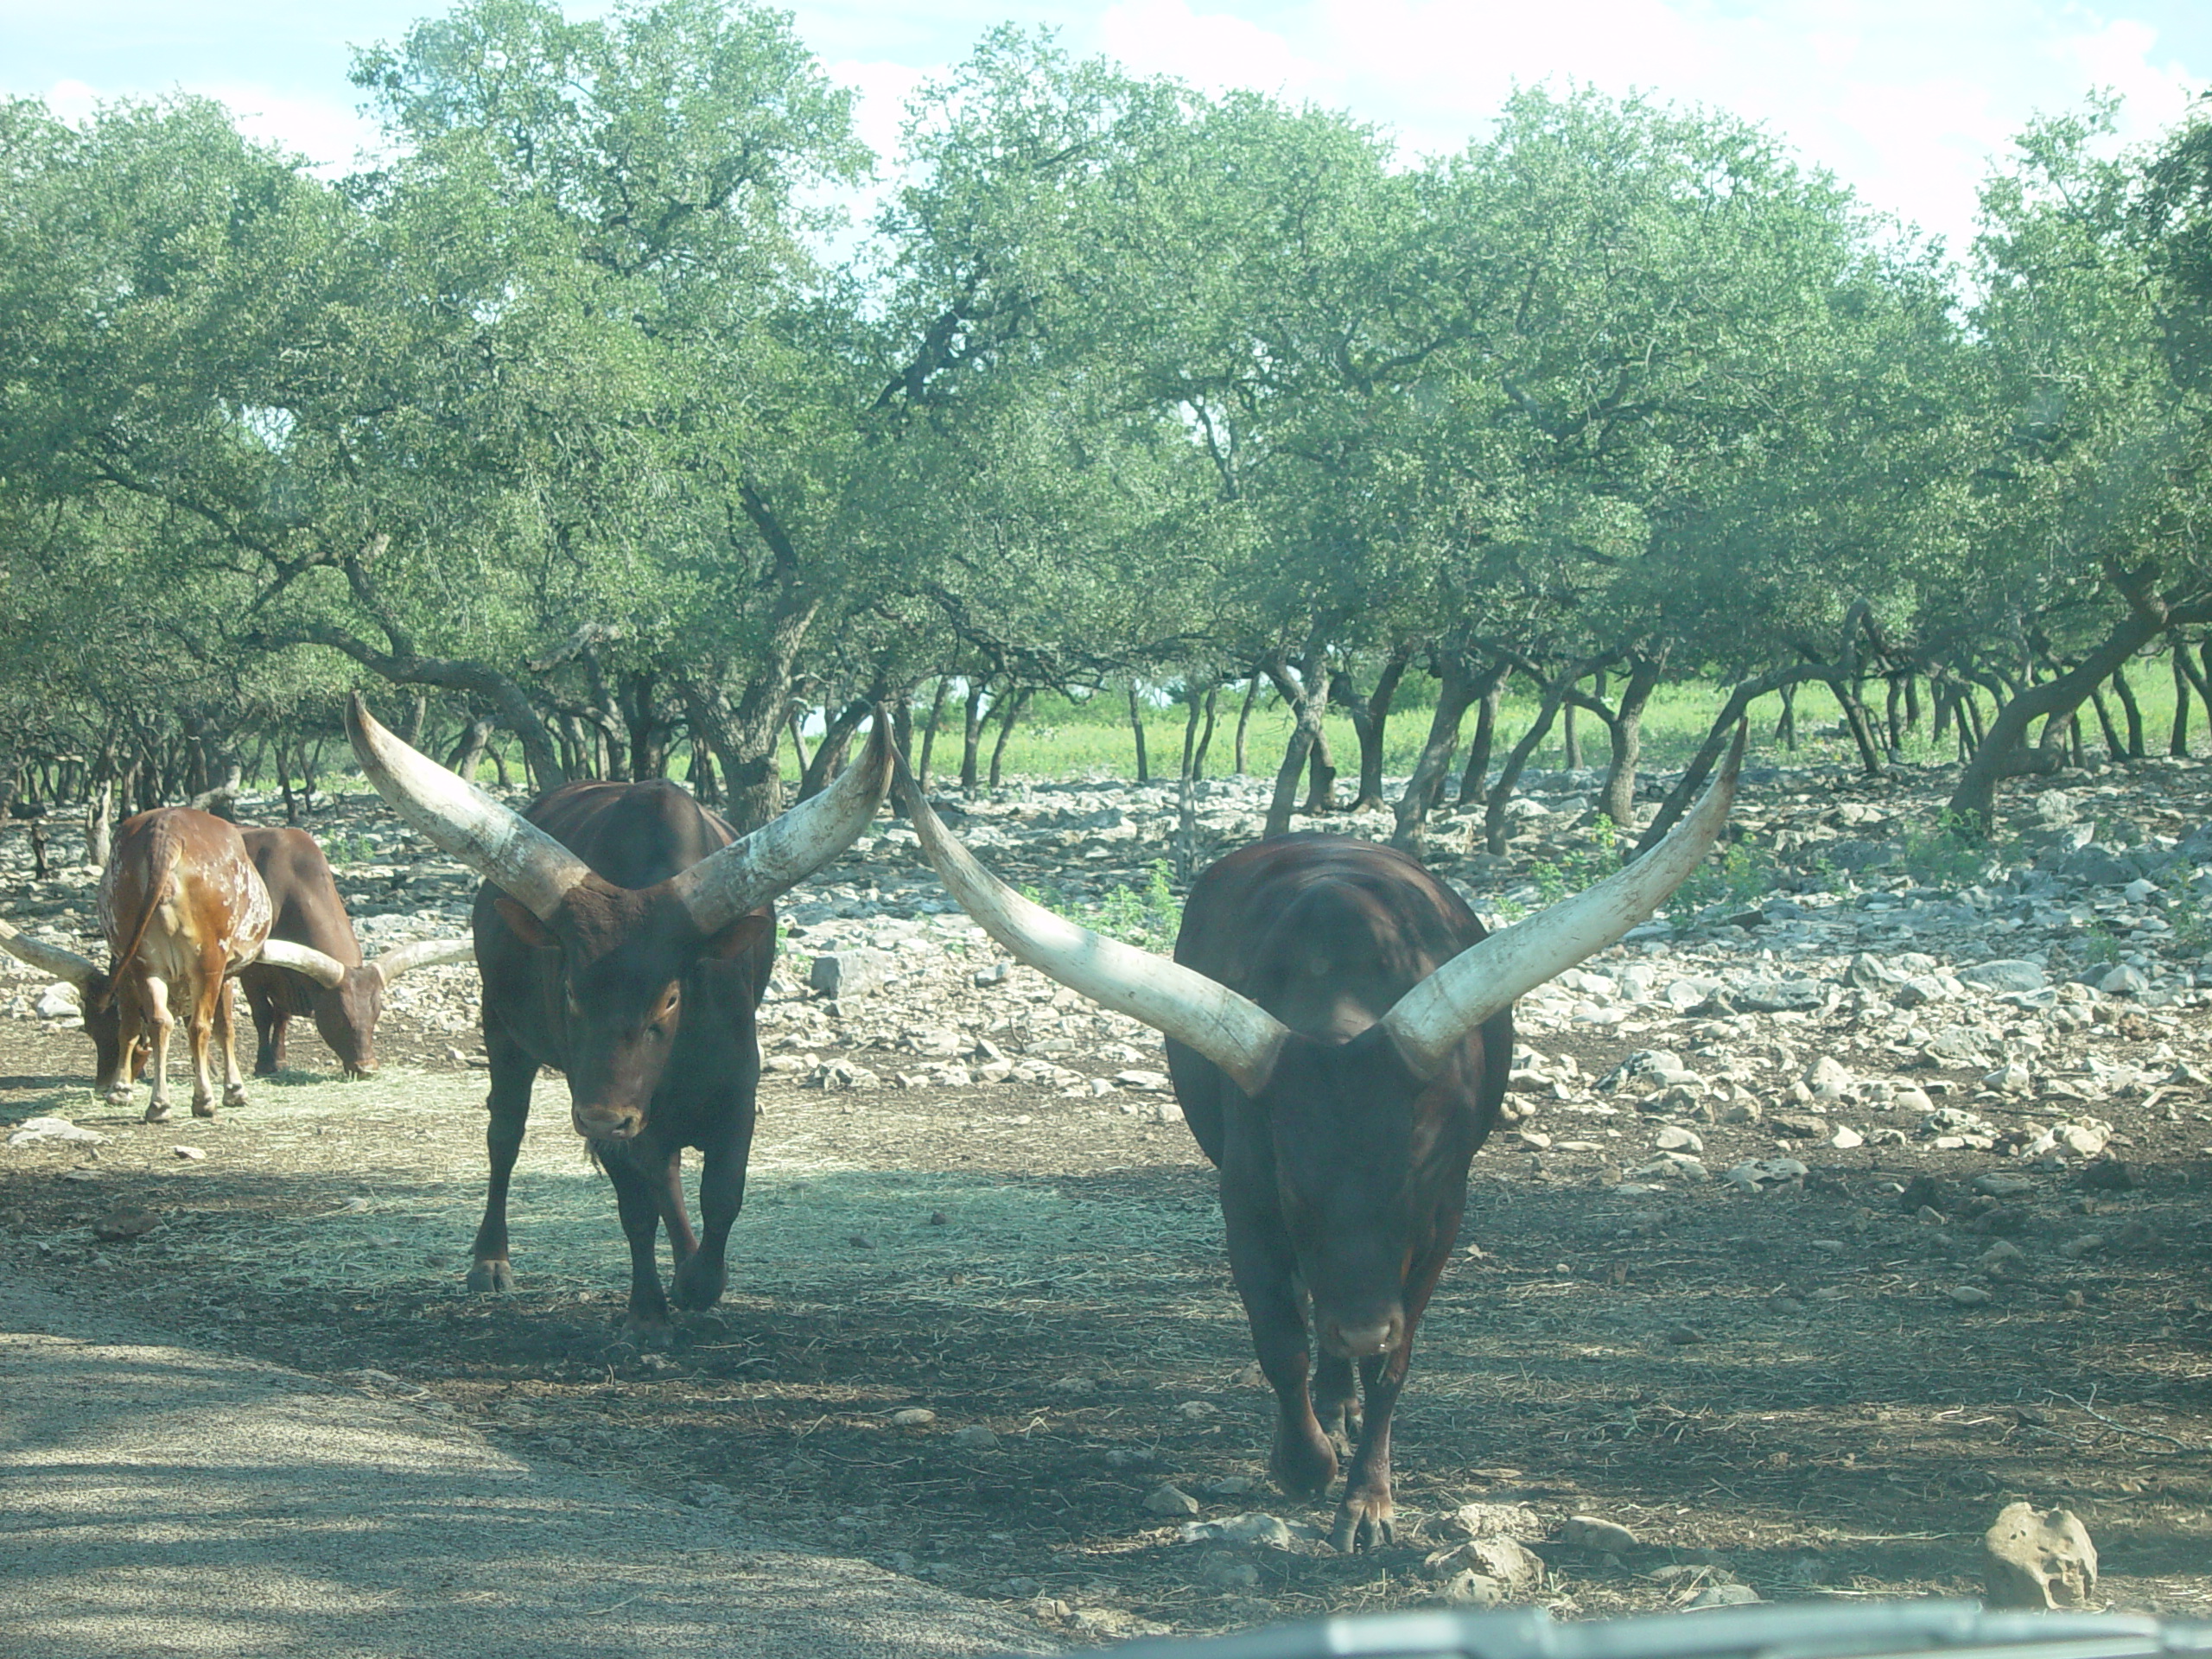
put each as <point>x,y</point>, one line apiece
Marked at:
<point>1339,1029</point>
<point>183,910</point>
<point>625,937</point>
<point>312,964</point>
<point>103,1018</point>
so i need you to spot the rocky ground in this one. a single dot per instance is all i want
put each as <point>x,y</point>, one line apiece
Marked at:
<point>1863,1192</point>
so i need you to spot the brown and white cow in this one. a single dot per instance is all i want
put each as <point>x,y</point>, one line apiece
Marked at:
<point>183,910</point>
<point>625,938</point>
<point>312,965</point>
<point>1339,1030</point>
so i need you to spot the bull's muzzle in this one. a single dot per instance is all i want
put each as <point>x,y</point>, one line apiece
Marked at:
<point>606,1123</point>
<point>1362,1339</point>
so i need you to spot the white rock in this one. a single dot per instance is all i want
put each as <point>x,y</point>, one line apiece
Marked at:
<point>33,1130</point>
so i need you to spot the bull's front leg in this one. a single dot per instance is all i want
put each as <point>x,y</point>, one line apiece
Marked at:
<point>701,1276</point>
<point>270,1026</point>
<point>513,1070</point>
<point>1367,1516</point>
<point>1260,1262</point>
<point>637,1199</point>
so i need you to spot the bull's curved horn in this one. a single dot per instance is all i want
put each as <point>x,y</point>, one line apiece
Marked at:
<point>1232,1031</point>
<point>79,971</point>
<point>423,953</point>
<point>327,971</point>
<point>1431,1019</point>
<point>784,851</point>
<point>514,855</point>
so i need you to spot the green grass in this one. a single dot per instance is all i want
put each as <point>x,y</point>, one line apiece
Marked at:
<point>1060,739</point>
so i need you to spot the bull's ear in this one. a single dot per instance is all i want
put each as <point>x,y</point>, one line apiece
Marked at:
<point>740,937</point>
<point>527,927</point>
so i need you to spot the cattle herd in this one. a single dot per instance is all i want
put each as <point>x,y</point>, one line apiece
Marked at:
<point>1338,1029</point>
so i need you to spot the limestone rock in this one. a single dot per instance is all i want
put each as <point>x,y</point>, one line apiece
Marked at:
<point>2038,1558</point>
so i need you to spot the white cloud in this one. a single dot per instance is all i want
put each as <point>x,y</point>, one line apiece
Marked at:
<point>882,90</point>
<point>71,100</point>
<point>2118,55</point>
<point>332,136</point>
<point>1213,51</point>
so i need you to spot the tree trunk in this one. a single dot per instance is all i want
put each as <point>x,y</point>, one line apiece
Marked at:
<point>1014,705</point>
<point>1617,799</point>
<point>99,825</point>
<point>971,748</point>
<point>1370,719</point>
<point>1494,836</point>
<point>706,789</point>
<point>412,733</point>
<point>1717,739</point>
<point>2131,711</point>
<point>469,752</point>
<point>1857,722</point>
<point>1190,732</point>
<point>1308,697</point>
<point>1570,741</point>
<point>1999,755</point>
<point>1320,771</point>
<point>2177,737</point>
<point>1206,736</point>
<point>1785,725</point>
<point>798,740</point>
<point>2115,749</point>
<point>929,733</point>
<point>1455,689</point>
<point>1474,780</point>
<point>1136,726</point>
<point>829,752</point>
<point>1244,719</point>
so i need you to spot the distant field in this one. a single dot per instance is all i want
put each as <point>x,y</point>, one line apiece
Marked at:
<point>1060,739</point>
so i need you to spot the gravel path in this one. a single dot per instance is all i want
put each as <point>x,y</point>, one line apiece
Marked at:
<point>165,1500</point>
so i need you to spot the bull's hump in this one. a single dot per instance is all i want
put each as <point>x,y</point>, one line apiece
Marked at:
<point>631,835</point>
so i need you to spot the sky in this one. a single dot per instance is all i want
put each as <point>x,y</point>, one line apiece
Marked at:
<point>1907,101</point>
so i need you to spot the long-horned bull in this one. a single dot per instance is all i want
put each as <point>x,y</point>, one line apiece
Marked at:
<point>103,1017</point>
<point>625,937</point>
<point>312,964</point>
<point>1339,1032</point>
<point>183,910</point>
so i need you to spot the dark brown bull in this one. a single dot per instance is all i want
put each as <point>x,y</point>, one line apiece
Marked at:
<point>625,938</point>
<point>183,910</point>
<point>312,966</point>
<point>1339,1030</point>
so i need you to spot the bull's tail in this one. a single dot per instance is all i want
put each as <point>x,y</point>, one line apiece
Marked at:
<point>161,863</point>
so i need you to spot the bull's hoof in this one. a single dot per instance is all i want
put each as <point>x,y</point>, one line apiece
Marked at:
<point>1364,1521</point>
<point>648,1333</point>
<point>233,1095</point>
<point>157,1111</point>
<point>1303,1463</point>
<point>493,1276</point>
<point>203,1108</point>
<point>699,1283</point>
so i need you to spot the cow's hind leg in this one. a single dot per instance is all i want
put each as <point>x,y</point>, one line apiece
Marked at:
<point>226,1035</point>
<point>512,1073</point>
<point>637,1196</point>
<point>199,1025</point>
<point>155,994</point>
